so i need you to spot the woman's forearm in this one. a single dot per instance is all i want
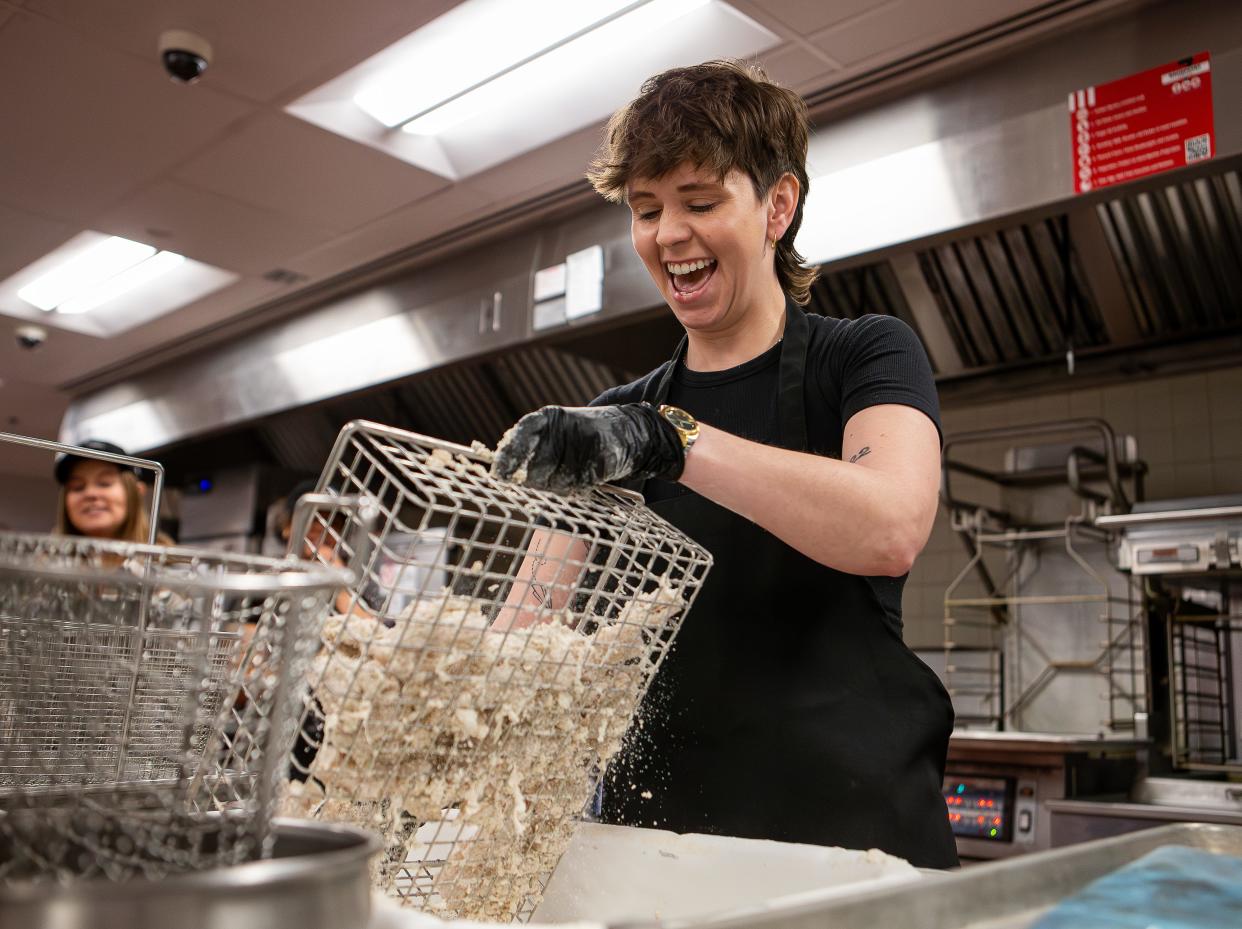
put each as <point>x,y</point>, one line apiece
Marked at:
<point>852,518</point>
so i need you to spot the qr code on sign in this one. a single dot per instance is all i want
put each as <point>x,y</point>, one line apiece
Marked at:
<point>1198,148</point>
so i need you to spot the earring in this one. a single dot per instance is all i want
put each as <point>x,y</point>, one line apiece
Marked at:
<point>773,243</point>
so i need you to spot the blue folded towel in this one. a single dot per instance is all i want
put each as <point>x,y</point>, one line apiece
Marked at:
<point>1171,888</point>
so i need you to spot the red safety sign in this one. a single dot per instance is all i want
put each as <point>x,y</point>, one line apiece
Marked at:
<point>1142,124</point>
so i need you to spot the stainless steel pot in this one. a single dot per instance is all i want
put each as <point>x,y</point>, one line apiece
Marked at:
<point>316,879</point>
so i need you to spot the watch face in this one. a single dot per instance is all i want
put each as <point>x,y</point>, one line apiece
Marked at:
<point>679,418</point>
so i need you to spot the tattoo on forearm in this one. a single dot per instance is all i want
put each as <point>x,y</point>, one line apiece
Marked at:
<point>861,453</point>
<point>540,591</point>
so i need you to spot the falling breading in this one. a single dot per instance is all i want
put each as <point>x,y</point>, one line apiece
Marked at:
<point>470,749</point>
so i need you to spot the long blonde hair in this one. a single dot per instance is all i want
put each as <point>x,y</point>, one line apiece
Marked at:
<point>136,527</point>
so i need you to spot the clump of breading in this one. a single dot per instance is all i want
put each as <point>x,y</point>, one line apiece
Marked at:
<point>471,750</point>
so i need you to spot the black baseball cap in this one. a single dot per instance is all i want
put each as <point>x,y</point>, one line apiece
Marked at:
<point>300,489</point>
<point>65,461</point>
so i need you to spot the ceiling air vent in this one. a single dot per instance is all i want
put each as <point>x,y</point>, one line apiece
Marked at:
<point>285,276</point>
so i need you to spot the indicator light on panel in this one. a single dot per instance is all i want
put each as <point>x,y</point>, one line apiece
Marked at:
<point>992,833</point>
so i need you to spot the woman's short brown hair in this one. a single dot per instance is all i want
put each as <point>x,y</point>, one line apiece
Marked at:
<point>719,116</point>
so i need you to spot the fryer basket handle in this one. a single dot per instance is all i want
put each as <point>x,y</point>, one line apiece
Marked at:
<point>365,509</point>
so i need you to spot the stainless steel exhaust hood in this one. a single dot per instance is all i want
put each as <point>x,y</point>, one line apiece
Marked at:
<point>1151,268</point>
<point>992,259</point>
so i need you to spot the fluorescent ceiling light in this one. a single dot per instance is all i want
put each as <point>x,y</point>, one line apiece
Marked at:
<point>571,67</point>
<point>101,285</point>
<point>98,274</point>
<point>472,44</point>
<point>575,57</point>
<point>142,273</point>
<point>83,271</point>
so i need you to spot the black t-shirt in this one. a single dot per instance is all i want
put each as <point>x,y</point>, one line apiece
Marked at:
<point>850,365</point>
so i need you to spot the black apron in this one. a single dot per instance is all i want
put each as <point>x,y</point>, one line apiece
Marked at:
<point>789,707</point>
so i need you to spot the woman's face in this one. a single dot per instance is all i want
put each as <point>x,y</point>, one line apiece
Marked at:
<point>95,499</point>
<point>688,218</point>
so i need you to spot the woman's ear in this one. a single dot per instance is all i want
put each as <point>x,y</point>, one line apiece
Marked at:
<point>782,204</point>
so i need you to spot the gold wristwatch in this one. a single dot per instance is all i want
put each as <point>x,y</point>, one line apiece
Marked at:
<point>686,425</point>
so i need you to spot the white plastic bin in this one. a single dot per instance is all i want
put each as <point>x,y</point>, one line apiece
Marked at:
<point>616,874</point>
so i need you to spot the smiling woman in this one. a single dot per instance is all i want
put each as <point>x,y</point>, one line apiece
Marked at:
<point>100,499</point>
<point>803,453</point>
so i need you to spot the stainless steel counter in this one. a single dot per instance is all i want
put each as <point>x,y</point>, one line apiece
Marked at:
<point>1153,802</point>
<point>976,741</point>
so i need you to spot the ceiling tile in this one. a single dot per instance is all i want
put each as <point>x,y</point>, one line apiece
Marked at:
<point>795,67</point>
<point>94,130</point>
<point>27,237</point>
<point>281,163</point>
<point>906,26</point>
<point>208,227</point>
<point>262,49</point>
<point>807,16</point>
<point>34,410</point>
<point>400,229</point>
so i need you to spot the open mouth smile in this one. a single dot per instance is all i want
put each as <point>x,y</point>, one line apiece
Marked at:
<point>688,278</point>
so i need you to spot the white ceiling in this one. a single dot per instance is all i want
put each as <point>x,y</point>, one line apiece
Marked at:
<point>97,137</point>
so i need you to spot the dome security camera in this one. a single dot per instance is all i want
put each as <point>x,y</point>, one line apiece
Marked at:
<point>30,337</point>
<point>184,54</point>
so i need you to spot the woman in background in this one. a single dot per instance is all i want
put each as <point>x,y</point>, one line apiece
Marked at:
<point>100,499</point>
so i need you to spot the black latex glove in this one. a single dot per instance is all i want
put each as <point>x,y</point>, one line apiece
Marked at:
<point>571,448</point>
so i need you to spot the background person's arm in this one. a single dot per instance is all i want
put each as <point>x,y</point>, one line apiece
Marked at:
<point>549,574</point>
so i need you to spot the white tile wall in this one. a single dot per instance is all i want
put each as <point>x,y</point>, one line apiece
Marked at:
<point>1189,431</point>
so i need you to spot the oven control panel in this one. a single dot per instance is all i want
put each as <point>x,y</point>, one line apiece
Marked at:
<point>980,807</point>
<point>991,809</point>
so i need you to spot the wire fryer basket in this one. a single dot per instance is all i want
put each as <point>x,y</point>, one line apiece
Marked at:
<point>147,703</point>
<point>496,646</point>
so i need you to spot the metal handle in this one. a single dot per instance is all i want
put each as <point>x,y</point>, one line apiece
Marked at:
<point>146,464</point>
<point>365,509</point>
<point>1098,426</point>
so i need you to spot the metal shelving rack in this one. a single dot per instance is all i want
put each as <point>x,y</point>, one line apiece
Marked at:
<point>1203,713</point>
<point>1002,623</point>
<point>1188,555</point>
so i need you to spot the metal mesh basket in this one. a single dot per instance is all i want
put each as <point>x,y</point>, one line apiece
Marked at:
<point>147,703</point>
<point>468,743</point>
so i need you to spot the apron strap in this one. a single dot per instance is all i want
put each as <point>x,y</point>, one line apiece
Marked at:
<point>791,391</point>
<point>656,391</point>
<point>791,397</point>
